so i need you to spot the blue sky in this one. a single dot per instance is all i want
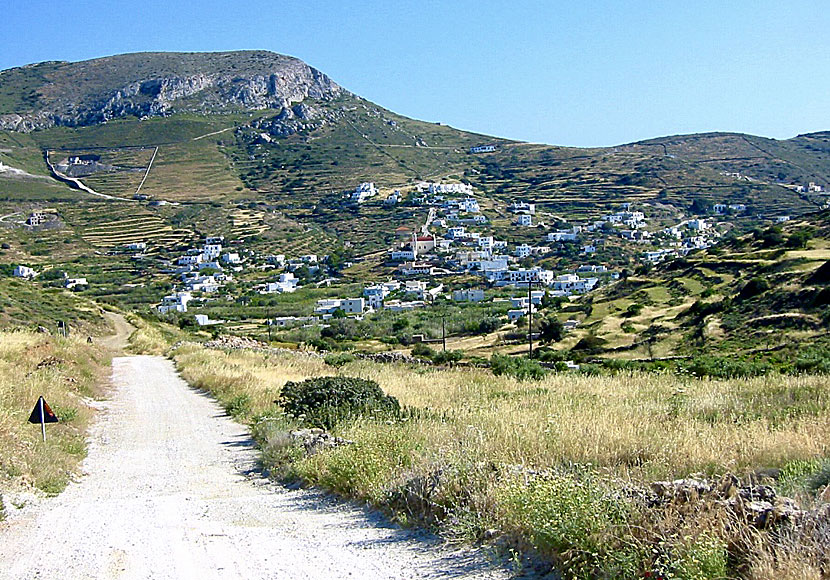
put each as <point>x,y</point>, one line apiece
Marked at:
<point>560,72</point>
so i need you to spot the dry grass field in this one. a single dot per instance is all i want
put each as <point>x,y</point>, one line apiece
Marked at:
<point>69,374</point>
<point>552,465</point>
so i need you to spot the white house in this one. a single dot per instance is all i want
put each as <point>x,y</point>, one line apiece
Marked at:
<point>231,258</point>
<point>205,284</point>
<point>659,255</point>
<point>204,320</point>
<point>136,246</point>
<point>523,251</point>
<point>520,277</point>
<point>522,207</point>
<point>456,232</point>
<point>286,284</point>
<point>515,314</point>
<point>589,249</point>
<point>482,149</point>
<point>375,295</point>
<point>190,260</point>
<point>175,302</point>
<point>400,306</point>
<point>415,268</point>
<point>562,236</point>
<point>698,224</point>
<point>462,188</point>
<point>403,254</point>
<point>591,268</point>
<point>469,205</point>
<point>363,192</point>
<point>524,219</point>
<point>212,251</point>
<point>347,305</point>
<point>470,295</point>
<point>73,282</point>
<point>782,218</point>
<point>573,283</point>
<point>24,272</point>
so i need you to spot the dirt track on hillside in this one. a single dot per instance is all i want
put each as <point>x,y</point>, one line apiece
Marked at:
<point>170,491</point>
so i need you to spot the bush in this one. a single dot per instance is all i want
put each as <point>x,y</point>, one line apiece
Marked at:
<point>633,310</point>
<point>551,330</point>
<point>814,360</point>
<point>574,517</point>
<point>326,401</point>
<point>590,344</point>
<point>519,367</point>
<point>339,359</point>
<point>422,350</point>
<point>754,287</point>
<point>488,325</point>
<point>727,367</point>
<point>449,357</point>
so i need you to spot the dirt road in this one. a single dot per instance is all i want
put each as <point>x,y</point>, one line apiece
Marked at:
<point>170,491</point>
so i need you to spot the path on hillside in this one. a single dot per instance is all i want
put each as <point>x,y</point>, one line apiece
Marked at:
<point>170,491</point>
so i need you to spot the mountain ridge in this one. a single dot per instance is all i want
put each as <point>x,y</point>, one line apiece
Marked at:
<point>148,84</point>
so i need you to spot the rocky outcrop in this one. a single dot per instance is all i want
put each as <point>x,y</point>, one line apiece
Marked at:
<point>152,84</point>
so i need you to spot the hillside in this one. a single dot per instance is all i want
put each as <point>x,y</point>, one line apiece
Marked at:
<point>168,148</point>
<point>758,297</point>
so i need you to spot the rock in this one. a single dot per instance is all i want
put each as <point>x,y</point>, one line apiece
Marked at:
<point>315,440</point>
<point>786,510</point>
<point>758,513</point>
<point>148,85</point>
<point>681,490</point>
<point>758,493</point>
<point>727,487</point>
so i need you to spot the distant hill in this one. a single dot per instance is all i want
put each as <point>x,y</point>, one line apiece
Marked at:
<point>761,295</point>
<point>252,127</point>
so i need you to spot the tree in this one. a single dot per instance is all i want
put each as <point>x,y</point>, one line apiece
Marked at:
<point>699,207</point>
<point>551,330</point>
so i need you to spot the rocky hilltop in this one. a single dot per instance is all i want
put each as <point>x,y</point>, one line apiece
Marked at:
<point>155,84</point>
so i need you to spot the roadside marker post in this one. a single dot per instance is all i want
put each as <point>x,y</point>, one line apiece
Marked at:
<point>42,414</point>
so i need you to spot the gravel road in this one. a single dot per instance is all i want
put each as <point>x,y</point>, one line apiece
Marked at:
<point>170,491</point>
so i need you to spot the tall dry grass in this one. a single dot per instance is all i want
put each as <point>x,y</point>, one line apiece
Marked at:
<point>546,463</point>
<point>67,372</point>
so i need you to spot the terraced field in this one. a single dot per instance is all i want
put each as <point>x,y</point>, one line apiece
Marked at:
<point>247,223</point>
<point>118,223</point>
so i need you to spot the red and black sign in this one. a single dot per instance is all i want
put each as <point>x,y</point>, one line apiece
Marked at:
<point>48,415</point>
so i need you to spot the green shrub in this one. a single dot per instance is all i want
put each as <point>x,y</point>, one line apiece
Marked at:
<point>449,357</point>
<point>727,367</point>
<point>590,344</point>
<point>633,310</point>
<point>754,287</point>
<point>814,360</point>
<point>519,367</point>
<point>575,519</point>
<point>238,405</point>
<point>326,401</point>
<point>339,359</point>
<point>422,350</point>
<point>703,558</point>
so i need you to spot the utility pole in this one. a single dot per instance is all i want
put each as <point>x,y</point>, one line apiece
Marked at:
<point>530,318</point>
<point>444,333</point>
